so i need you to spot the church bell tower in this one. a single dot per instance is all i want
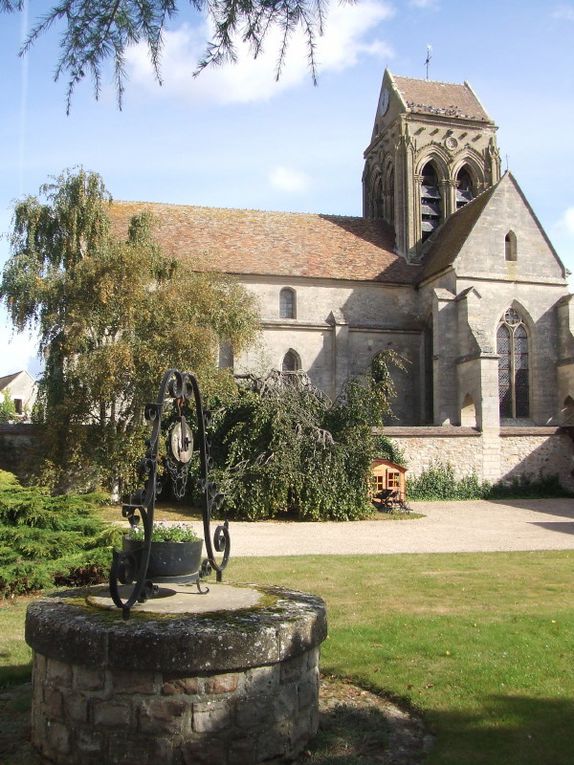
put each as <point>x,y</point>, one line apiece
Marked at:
<point>432,150</point>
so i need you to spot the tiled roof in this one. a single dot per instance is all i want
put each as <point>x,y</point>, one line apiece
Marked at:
<point>446,242</point>
<point>274,243</point>
<point>446,99</point>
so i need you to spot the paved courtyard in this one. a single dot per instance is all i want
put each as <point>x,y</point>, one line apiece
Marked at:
<point>531,524</point>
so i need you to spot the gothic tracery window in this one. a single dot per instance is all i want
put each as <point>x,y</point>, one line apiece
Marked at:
<point>512,348</point>
<point>431,207</point>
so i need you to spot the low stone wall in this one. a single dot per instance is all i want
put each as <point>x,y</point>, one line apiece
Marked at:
<point>17,442</point>
<point>530,453</point>
<point>493,456</point>
<point>218,688</point>
<point>423,447</point>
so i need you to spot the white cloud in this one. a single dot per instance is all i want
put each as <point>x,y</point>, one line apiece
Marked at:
<point>564,12</point>
<point>16,352</point>
<point>423,3</point>
<point>349,34</point>
<point>287,179</point>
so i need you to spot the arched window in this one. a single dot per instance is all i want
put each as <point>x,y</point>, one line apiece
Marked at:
<point>291,362</point>
<point>510,252</point>
<point>431,208</point>
<point>389,211</point>
<point>464,190</point>
<point>287,303</point>
<point>512,347</point>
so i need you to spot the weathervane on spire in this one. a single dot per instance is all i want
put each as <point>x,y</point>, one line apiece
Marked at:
<point>428,59</point>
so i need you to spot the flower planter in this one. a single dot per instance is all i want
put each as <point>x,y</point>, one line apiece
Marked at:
<point>169,559</point>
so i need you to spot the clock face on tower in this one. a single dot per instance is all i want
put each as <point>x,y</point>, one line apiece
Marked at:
<point>383,101</point>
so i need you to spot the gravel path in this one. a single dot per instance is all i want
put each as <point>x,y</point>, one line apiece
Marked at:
<point>477,526</point>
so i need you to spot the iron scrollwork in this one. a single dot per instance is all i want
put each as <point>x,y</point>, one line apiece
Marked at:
<point>168,416</point>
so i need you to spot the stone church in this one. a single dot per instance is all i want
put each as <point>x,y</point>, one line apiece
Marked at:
<point>448,265</point>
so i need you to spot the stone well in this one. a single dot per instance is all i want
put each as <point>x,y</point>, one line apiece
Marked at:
<point>228,677</point>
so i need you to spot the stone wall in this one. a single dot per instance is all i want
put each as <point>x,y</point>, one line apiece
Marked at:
<point>17,447</point>
<point>512,453</point>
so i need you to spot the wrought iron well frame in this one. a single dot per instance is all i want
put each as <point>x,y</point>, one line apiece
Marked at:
<point>176,391</point>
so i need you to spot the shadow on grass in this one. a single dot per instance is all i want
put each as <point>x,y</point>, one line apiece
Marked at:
<point>509,730</point>
<point>15,674</point>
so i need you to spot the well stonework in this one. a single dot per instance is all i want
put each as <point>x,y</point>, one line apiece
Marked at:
<point>218,688</point>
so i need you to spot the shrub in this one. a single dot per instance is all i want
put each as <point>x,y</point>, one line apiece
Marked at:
<point>389,450</point>
<point>281,446</point>
<point>438,481</point>
<point>47,540</point>
<point>7,408</point>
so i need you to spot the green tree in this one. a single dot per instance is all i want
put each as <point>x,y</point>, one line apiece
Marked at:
<point>111,314</point>
<point>95,32</point>
<point>7,408</point>
<point>281,446</point>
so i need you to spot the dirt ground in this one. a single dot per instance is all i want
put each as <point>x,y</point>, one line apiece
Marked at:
<point>356,728</point>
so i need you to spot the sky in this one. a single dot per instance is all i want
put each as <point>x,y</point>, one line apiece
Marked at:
<point>234,137</point>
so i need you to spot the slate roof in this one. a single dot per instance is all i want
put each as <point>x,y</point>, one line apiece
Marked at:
<point>253,242</point>
<point>7,379</point>
<point>447,99</point>
<point>445,243</point>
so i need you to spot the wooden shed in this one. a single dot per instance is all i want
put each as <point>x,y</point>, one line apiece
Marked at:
<point>388,477</point>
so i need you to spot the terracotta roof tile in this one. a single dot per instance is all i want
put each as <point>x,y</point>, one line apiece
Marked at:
<point>447,99</point>
<point>274,243</point>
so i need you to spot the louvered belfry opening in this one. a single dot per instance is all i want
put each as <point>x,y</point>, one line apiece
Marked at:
<point>512,348</point>
<point>431,207</point>
<point>464,190</point>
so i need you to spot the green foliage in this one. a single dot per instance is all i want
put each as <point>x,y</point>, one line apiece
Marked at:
<point>7,408</point>
<point>161,532</point>
<point>92,33</point>
<point>389,450</point>
<point>46,540</point>
<point>439,481</point>
<point>280,446</point>
<point>529,487</point>
<point>109,312</point>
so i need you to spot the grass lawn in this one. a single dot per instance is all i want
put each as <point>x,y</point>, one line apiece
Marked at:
<point>481,644</point>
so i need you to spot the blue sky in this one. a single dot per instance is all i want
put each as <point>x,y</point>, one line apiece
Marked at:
<point>235,138</point>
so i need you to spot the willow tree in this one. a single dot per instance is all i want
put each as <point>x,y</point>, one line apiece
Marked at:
<point>111,313</point>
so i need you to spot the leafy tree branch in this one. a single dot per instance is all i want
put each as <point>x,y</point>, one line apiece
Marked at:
<point>97,31</point>
<point>111,313</point>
